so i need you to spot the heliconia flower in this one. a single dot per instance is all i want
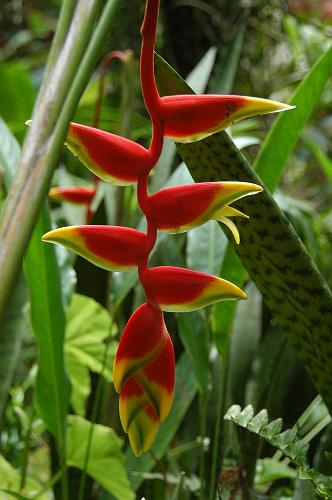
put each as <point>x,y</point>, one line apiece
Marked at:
<point>114,248</point>
<point>110,157</point>
<point>79,195</point>
<point>143,374</point>
<point>180,208</point>
<point>176,289</point>
<point>189,118</point>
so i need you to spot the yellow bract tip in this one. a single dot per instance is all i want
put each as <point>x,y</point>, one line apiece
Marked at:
<point>257,106</point>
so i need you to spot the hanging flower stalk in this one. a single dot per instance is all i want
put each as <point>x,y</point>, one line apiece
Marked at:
<point>143,369</point>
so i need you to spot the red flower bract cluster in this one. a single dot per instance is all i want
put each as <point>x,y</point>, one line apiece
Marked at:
<point>143,370</point>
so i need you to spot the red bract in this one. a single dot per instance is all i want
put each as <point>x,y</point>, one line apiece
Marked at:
<point>143,373</point>
<point>177,289</point>
<point>189,118</point>
<point>112,158</point>
<point>178,209</point>
<point>111,247</point>
<point>73,194</point>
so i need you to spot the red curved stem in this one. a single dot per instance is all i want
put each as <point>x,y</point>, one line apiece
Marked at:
<point>149,89</point>
<point>152,102</point>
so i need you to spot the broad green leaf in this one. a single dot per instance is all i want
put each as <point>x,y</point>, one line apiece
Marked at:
<point>270,249</point>
<point>88,327</point>
<point>185,391</point>
<point>10,479</point>
<point>205,246</point>
<point>287,128</point>
<point>194,334</point>
<point>48,324</point>
<point>106,461</point>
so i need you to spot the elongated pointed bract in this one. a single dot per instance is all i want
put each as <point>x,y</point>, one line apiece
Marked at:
<point>113,248</point>
<point>176,289</point>
<point>143,374</point>
<point>180,208</point>
<point>79,195</point>
<point>189,118</point>
<point>110,157</point>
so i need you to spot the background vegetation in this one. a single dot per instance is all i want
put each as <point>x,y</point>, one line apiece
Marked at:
<point>65,316</point>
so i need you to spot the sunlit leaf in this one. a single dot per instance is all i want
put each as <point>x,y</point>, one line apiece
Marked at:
<point>106,461</point>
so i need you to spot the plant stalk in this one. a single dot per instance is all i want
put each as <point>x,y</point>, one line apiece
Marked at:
<point>45,138</point>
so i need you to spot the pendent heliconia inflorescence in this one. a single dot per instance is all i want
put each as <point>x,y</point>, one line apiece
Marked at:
<point>143,371</point>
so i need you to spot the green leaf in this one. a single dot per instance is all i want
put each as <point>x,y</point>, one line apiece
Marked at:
<point>194,335</point>
<point>9,153</point>
<point>285,438</point>
<point>88,327</point>
<point>14,321</point>
<point>17,95</point>
<point>245,416</point>
<point>185,391</point>
<point>198,78</point>
<point>321,157</point>
<point>233,412</point>
<point>13,326</point>
<point>48,323</point>
<point>227,67</point>
<point>10,480</point>
<point>286,130</point>
<point>106,461</point>
<point>47,316</point>
<point>223,312</point>
<point>269,469</point>
<point>270,249</point>
<point>258,421</point>
<point>271,430</point>
<point>246,334</point>
<point>205,246</point>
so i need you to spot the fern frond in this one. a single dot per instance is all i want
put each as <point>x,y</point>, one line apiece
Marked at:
<point>287,442</point>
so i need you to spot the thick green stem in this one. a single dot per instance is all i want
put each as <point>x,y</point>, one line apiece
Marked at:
<point>42,147</point>
<point>65,18</point>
